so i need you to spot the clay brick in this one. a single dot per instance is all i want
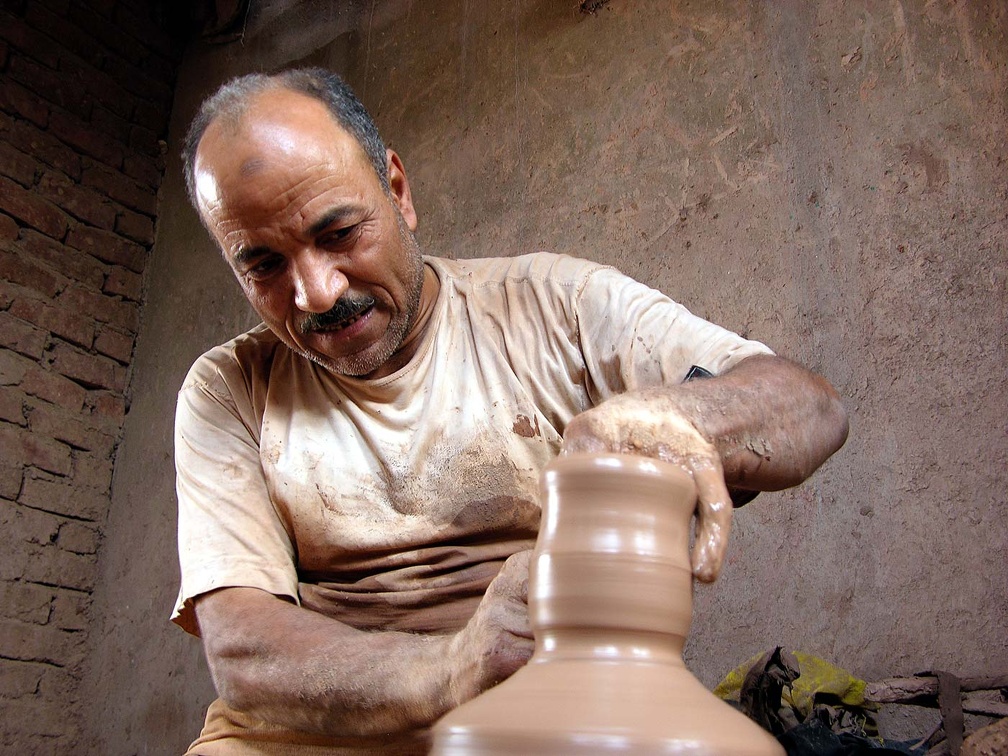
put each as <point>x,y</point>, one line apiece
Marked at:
<point>62,498</point>
<point>103,88</point>
<point>52,86</point>
<point>124,283</point>
<point>78,538</point>
<point>22,337</point>
<point>110,124</point>
<point>13,368</point>
<point>41,722</point>
<point>85,138</point>
<point>144,169</point>
<point>115,344</point>
<point>107,247</point>
<point>145,141</point>
<point>134,226</point>
<point>70,608</point>
<point>32,209</point>
<point>54,566</point>
<point>42,146</point>
<point>28,40</point>
<point>62,321</point>
<point>104,7</point>
<point>145,31</point>
<point>79,431</point>
<point>12,405</point>
<point>109,409</point>
<point>122,189</point>
<point>54,388</point>
<point>152,117</point>
<point>25,525</point>
<point>34,450</point>
<point>161,68</point>
<point>40,643</point>
<point>56,319</point>
<point>107,34</point>
<point>89,370</point>
<point>135,81</point>
<point>103,308</point>
<point>19,678</point>
<point>72,262</point>
<point>17,100</point>
<point>9,229</point>
<point>8,291</point>
<point>10,487</point>
<point>16,165</point>
<point>18,270</point>
<point>26,601</point>
<point>81,202</point>
<point>69,35</point>
<point>92,471</point>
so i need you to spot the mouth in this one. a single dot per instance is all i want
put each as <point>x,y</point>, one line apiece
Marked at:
<point>343,315</point>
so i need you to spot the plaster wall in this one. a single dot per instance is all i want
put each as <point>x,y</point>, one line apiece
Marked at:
<point>829,178</point>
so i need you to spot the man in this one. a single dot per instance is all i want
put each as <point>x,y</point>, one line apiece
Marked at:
<point>357,477</point>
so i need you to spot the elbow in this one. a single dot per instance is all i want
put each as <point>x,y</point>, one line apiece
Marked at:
<point>835,422</point>
<point>230,679</point>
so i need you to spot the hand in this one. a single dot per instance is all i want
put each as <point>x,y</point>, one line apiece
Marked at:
<point>497,641</point>
<point>651,423</point>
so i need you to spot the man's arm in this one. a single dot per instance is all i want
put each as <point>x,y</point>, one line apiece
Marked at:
<point>765,424</point>
<point>297,668</point>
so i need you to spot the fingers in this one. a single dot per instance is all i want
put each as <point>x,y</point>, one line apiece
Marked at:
<point>714,515</point>
<point>580,436</point>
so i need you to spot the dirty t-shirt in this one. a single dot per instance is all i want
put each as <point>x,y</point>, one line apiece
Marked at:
<point>392,503</point>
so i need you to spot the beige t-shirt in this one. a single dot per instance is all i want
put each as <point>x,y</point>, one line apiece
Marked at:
<point>392,503</point>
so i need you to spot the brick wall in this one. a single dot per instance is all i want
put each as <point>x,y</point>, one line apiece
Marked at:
<point>85,93</point>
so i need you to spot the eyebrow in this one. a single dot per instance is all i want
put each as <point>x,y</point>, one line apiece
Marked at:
<point>246,254</point>
<point>338,214</point>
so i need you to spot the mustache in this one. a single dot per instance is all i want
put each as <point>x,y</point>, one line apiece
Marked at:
<point>345,308</point>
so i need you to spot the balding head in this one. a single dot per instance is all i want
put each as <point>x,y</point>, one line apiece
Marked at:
<point>230,103</point>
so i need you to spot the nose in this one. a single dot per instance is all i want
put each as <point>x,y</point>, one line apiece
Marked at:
<point>318,283</point>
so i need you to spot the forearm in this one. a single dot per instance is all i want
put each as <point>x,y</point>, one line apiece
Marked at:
<point>773,422</point>
<point>300,669</point>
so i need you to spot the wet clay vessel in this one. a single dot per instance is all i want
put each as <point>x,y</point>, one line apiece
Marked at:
<point>610,603</point>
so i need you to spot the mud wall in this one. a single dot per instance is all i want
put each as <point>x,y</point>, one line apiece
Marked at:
<point>828,178</point>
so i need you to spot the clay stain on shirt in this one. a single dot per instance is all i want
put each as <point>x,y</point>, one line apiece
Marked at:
<point>524,428</point>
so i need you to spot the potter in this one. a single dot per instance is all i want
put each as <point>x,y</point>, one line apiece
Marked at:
<point>358,476</point>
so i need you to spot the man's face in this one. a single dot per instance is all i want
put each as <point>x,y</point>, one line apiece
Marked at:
<point>324,254</point>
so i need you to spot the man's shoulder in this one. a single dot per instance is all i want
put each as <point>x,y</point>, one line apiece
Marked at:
<point>245,358</point>
<point>542,268</point>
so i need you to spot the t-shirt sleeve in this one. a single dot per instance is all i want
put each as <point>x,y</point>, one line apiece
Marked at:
<point>635,337</point>
<point>229,533</point>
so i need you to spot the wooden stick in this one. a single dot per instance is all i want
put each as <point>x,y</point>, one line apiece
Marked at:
<point>978,705</point>
<point>897,689</point>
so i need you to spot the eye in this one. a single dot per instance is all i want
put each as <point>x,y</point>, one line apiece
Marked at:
<point>334,238</point>
<point>264,267</point>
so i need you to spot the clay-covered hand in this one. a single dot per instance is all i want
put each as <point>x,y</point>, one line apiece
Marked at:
<point>651,423</point>
<point>497,640</point>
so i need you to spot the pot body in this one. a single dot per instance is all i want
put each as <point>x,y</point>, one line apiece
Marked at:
<point>610,603</point>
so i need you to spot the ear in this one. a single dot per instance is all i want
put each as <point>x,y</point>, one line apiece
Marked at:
<point>399,188</point>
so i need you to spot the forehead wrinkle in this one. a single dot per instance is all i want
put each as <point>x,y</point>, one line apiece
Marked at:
<point>251,167</point>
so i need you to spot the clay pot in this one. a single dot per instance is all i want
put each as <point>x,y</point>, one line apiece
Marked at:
<point>610,603</point>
